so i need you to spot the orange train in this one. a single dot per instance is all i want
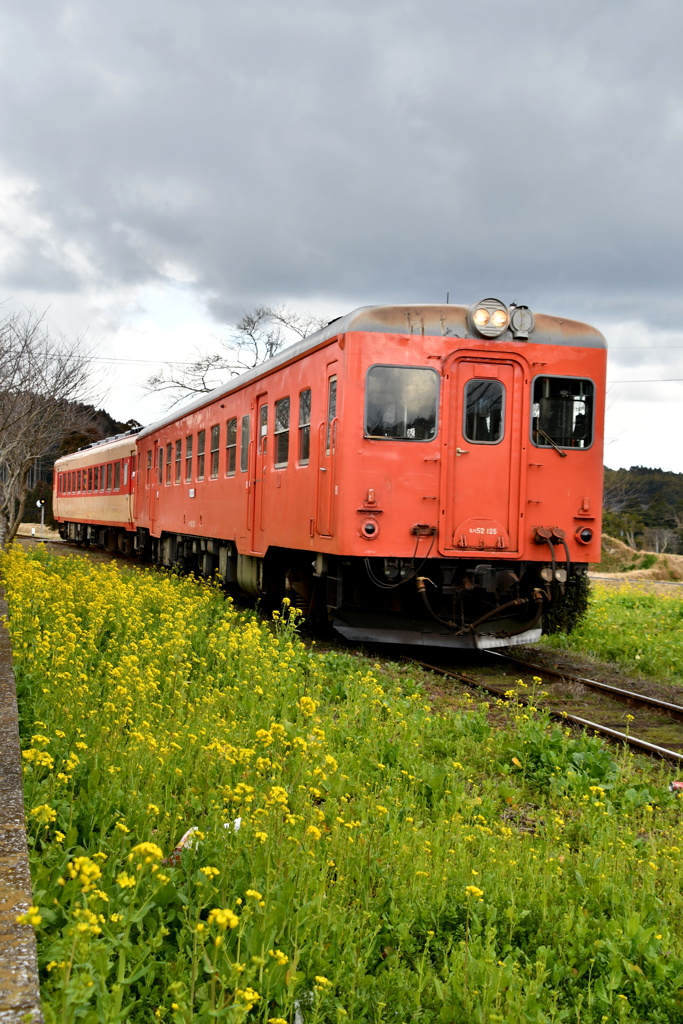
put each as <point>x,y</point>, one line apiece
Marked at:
<point>417,474</point>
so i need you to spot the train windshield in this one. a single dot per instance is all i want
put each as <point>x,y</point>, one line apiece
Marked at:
<point>401,403</point>
<point>562,412</point>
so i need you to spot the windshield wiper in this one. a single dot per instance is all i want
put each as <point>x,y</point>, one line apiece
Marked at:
<point>553,443</point>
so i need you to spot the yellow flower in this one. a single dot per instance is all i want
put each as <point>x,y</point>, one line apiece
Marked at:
<point>210,872</point>
<point>224,918</point>
<point>31,916</point>
<point>253,892</point>
<point>125,881</point>
<point>280,958</point>
<point>473,890</point>
<point>307,705</point>
<point>148,852</point>
<point>85,870</point>
<point>44,814</point>
<point>314,832</point>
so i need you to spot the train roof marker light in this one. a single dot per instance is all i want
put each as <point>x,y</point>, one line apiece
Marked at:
<point>490,317</point>
<point>522,322</point>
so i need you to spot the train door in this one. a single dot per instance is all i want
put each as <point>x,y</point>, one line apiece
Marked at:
<point>259,476</point>
<point>483,430</point>
<point>327,457</point>
<point>153,475</point>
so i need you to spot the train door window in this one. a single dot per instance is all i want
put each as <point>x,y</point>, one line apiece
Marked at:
<point>178,459</point>
<point>281,431</point>
<point>263,428</point>
<point>304,426</point>
<point>401,403</point>
<point>160,464</point>
<point>201,445</point>
<point>90,479</point>
<point>331,412</point>
<point>231,447</point>
<point>244,449</point>
<point>188,457</point>
<point>215,449</point>
<point>169,459</point>
<point>562,413</point>
<point>484,412</point>
<point>110,475</point>
<point>117,475</point>
<point>148,480</point>
<point>60,488</point>
<point>125,472</point>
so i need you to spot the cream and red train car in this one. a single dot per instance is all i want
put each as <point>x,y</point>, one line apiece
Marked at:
<point>418,474</point>
<point>93,494</point>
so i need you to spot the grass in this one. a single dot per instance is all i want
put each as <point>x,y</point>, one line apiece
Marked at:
<point>633,627</point>
<point>356,857</point>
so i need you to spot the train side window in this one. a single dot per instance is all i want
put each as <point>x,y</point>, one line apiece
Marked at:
<point>201,445</point>
<point>281,431</point>
<point>484,412</point>
<point>401,403</point>
<point>562,412</point>
<point>331,412</point>
<point>178,459</point>
<point>110,475</point>
<point>96,479</point>
<point>231,447</point>
<point>244,449</point>
<point>117,475</point>
<point>188,458</point>
<point>78,481</point>
<point>148,480</point>
<point>169,459</point>
<point>215,446</point>
<point>263,428</point>
<point>90,480</point>
<point>304,426</point>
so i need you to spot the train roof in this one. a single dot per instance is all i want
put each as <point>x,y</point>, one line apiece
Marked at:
<point>428,320</point>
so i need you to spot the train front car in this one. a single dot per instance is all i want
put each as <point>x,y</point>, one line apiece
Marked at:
<point>468,493</point>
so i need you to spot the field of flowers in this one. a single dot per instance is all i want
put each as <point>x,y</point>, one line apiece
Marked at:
<point>357,855</point>
<point>632,626</point>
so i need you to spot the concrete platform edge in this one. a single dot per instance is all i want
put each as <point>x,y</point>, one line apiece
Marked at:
<point>19,985</point>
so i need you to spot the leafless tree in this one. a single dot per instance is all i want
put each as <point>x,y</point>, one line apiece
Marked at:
<point>41,377</point>
<point>255,337</point>
<point>621,491</point>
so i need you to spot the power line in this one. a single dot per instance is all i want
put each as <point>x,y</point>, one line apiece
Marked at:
<point>653,380</point>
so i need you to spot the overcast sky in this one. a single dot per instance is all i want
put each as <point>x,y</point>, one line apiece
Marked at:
<point>165,166</point>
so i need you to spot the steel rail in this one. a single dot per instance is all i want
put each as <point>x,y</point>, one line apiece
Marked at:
<point>625,696</point>
<point>564,716</point>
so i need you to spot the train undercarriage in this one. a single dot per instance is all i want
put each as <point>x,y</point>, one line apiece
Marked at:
<point>439,602</point>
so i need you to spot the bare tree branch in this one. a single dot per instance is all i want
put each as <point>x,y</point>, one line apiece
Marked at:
<point>40,378</point>
<point>258,335</point>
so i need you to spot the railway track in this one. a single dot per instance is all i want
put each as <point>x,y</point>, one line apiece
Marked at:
<point>645,723</point>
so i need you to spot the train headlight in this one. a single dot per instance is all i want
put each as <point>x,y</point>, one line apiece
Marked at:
<point>490,317</point>
<point>584,536</point>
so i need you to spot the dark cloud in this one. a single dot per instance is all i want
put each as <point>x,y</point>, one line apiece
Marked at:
<point>388,151</point>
